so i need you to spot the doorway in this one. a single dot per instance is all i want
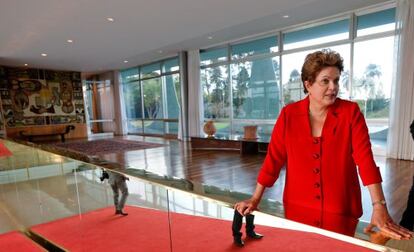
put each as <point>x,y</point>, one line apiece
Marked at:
<point>99,102</point>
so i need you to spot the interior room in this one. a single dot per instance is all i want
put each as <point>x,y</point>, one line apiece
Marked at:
<point>124,124</point>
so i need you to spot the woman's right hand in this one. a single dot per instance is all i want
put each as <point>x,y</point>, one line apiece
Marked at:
<point>247,206</point>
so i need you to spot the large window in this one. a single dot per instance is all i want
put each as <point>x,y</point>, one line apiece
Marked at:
<point>255,87</point>
<point>292,64</point>
<point>216,92</point>
<point>248,83</point>
<point>240,85</point>
<point>152,97</point>
<point>377,22</point>
<point>324,33</point>
<point>371,86</point>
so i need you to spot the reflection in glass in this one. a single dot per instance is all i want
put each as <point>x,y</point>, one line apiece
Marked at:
<point>119,187</point>
<point>322,219</point>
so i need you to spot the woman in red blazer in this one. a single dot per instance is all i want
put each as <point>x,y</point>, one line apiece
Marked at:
<point>322,140</point>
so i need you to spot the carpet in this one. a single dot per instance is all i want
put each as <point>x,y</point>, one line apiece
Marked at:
<point>104,146</point>
<point>15,241</point>
<point>148,230</point>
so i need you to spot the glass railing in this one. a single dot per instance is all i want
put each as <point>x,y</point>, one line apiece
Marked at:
<point>58,203</point>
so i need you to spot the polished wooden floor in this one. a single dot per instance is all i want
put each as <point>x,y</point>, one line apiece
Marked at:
<point>229,170</point>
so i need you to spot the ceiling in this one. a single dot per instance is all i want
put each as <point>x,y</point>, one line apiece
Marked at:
<point>142,31</point>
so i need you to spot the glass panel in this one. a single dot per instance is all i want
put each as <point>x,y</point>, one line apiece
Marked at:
<point>129,75</point>
<point>171,128</point>
<point>260,46</point>
<point>372,83</point>
<point>255,89</point>
<point>152,98</point>
<point>214,82</point>
<point>171,65</point>
<point>186,209</point>
<point>71,204</point>
<point>59,197</point>
<point>381,21</point>
<point>152,70</point>
<point>316,35</point>
<point>132,99</point>
<point>154,127</point>
<point>135,126</point>
<point>173,97</point>
<point>213,56</point>
<point>292,67</point>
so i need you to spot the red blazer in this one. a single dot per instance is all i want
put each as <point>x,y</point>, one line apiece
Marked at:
<point>321,171</point>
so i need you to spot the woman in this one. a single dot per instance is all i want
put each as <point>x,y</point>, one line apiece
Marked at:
<point>321,139</point>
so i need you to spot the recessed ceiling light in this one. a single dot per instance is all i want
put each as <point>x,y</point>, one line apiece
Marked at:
<point>160,51</point>
<point>69,41</point>
<point>110,19</point>
<point>125,61</point>
<point>285,16</point>
<point>44,54</point>
<point>210,37</point>
<point>26,64</point>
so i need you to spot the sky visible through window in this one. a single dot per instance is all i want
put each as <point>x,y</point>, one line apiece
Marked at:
<point>366,52</point>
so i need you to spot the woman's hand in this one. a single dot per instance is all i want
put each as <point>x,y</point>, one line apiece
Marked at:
<point>386,226</point>
<point>246,206</point>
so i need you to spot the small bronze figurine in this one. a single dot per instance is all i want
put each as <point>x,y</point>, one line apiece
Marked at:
<point>236,227</point>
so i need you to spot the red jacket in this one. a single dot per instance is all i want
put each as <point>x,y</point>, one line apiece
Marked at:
<point>321,171</point>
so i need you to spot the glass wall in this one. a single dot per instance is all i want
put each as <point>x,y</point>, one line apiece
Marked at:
<point>152,97</point>
<point>240,84</point>
<point>248,83</point>
<point>54,203</point>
